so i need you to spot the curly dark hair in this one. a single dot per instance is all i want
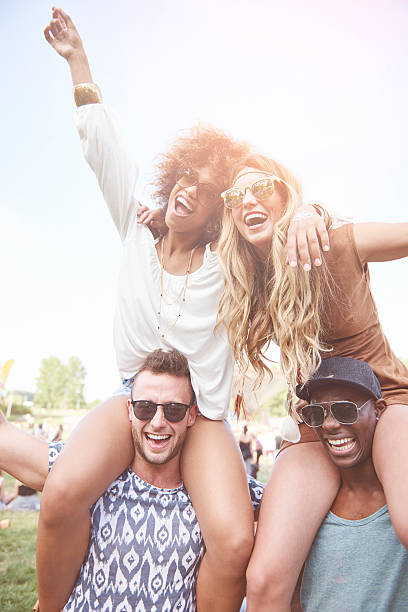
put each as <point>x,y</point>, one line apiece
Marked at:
<point>198,147</point>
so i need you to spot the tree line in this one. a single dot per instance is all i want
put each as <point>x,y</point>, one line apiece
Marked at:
<point>60,385</point>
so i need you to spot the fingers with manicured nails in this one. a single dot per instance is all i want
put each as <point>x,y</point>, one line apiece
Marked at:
<point>314,246</point>
<point>303,249</point>
<point>291,246</point>
<point>324,235</point>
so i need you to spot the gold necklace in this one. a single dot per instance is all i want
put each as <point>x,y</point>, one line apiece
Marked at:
<point>161,331</point>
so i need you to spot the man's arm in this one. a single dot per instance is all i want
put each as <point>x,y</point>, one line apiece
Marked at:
<point>22,455</point>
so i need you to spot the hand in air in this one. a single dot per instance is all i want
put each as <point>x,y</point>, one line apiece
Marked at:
<point>62,34</point>
<point>307,236</point>
<point>154,219</point>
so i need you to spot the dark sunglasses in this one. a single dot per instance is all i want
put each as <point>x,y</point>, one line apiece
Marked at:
<point>208,195</point>
<point>261,190</point>
<point>145,410</point>
<point>344,412</point>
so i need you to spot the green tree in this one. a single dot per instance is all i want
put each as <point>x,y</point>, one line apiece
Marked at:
<point>74,390</point>
<point>51,383</point>
<point>60,385</point>
<point>275,405</point>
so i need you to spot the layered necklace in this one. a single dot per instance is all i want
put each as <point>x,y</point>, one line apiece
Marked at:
<point>181,297</point>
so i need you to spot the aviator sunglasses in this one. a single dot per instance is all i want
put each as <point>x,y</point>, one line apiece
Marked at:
<point>208,195</point>
<point>261,190</point>
<point>345,412</point>
<point>144,410</point>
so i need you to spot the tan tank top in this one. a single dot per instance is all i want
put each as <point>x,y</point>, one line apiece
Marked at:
<point>350,319</point>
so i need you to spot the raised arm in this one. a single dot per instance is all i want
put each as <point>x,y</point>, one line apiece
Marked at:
<point>63,36</point>
<point>381,241</point>
<point>98,127</point>
<point>22,455</point>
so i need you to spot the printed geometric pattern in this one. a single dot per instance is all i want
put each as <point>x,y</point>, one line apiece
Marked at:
<point>144,550</point>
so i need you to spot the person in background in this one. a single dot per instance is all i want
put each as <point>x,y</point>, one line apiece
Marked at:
<point>245,445</point>
<point>58,434</point>
<point>257,452</point>
<point>23,499</point>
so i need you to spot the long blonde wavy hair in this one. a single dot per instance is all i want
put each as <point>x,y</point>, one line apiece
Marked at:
<point>266,300</point>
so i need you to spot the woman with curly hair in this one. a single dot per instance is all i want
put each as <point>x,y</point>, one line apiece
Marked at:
<point>310,315</point>
<point>168,298</point>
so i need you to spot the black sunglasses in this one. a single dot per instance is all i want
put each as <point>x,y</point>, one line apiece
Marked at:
<point>344,412</point>
<point>208,195</point>
<point>145,410</point>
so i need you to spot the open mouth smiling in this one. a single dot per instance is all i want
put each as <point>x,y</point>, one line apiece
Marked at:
<point>339,446</point>
<point>255,219</point>
<point>182,206</point>
<point>157,440</point>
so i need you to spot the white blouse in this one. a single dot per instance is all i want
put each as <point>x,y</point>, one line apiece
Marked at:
<point>136,332</point>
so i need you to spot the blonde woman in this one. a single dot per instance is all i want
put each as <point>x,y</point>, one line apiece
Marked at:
<point>310,315</point>
<point>168,298</point>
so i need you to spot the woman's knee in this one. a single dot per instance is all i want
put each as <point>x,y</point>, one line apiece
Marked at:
<point>268,583</point>
<point>231,547</point>
<point>61,501</point>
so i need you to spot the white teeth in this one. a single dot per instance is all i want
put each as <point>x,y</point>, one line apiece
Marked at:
<point>260,216</point>
<point>345,443</point>
<point>184,203</point>
<point>157,436</point>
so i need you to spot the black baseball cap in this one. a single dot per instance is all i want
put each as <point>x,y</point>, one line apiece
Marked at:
<point>342,370</point>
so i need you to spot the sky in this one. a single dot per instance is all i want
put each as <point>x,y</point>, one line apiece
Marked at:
<point>321,86</point>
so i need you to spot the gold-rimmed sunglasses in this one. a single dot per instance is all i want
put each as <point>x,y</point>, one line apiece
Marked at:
<point>261,190</point>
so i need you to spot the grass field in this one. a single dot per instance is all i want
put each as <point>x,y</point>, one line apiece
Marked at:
<point>18,584</point>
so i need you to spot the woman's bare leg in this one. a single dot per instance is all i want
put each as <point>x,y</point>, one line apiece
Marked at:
<point>214,474</point>
<point>98,451</point>
<point>390,456</point>
<point>301,489</point>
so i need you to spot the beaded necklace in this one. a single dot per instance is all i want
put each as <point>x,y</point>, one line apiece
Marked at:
<point>161,331</point>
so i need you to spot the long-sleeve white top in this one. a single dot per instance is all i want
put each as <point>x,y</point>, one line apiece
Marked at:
<point>136,332</point>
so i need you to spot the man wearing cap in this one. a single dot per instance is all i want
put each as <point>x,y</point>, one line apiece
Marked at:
<point>356,562</point>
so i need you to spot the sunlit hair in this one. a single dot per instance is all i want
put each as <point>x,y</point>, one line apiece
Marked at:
<point>266,300</point>
<point>199,147</point>
<point>166,362</point>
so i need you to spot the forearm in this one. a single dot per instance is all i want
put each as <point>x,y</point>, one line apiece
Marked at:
<point>23,456</point>
<point>381,241</point>
<point>79,67</point>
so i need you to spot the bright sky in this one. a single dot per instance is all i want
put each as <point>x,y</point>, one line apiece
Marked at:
<point>321,86</point>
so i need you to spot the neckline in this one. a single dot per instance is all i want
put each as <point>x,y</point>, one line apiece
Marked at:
<point>207,251</point>
<point>362,521</point>
<point>152,486</point>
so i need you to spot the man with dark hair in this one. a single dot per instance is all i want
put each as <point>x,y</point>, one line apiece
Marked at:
<point>356,562</point>
<point>145,544</point>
